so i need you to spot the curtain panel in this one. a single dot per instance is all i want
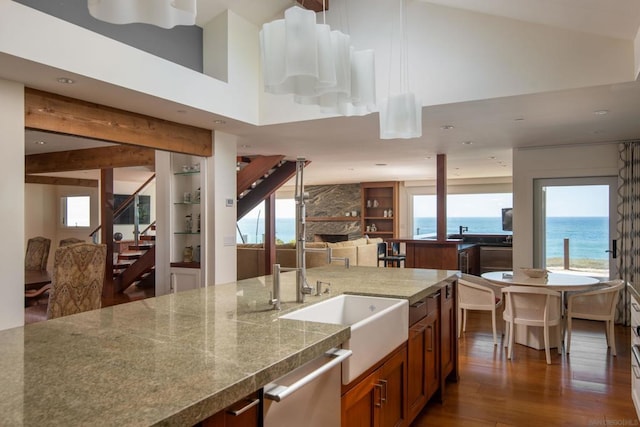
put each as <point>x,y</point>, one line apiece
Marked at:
<point>628,224</point>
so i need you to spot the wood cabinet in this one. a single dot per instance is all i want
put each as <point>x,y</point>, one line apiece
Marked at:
<point>469,260</point>
<point>244,413</point>
<point>448,338</point>
<point>432,356</point>
<point>423,354</point>
<point>379,399</point>
<point>496,258</point>
<point>379,216</point>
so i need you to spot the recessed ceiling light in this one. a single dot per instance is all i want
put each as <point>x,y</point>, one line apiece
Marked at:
<point>492,157</point>
<point>350,169</point>
<point>518,119</point>
<point>446,127</point>
<point>245,146</point>
<point>467,142</point>
<point>381,164</point>
<point>219,122</point>
<point>601,112</point>
<point>40,142</point>
<point>65,80</point>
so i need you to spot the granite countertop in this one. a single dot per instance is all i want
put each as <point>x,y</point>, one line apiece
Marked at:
<point>176,359</point>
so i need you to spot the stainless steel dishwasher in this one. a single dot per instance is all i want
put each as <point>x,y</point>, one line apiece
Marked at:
<point>307,396</point>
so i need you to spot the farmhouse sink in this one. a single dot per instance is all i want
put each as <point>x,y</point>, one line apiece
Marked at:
<point>378,326</point>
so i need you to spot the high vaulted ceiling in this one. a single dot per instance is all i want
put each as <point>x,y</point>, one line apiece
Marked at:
<point>484,130</point>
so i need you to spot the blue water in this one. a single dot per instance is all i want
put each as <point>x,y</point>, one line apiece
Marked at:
<point>589,236</point>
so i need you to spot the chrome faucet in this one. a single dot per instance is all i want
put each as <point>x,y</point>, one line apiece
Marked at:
<point>463,229</point>
<point>302,288</point>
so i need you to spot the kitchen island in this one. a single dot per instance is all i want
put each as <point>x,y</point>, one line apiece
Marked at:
<point>177,359</point>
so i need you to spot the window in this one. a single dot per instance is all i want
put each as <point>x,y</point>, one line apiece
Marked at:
<point>251,226</point>
<point>76,211</point>
<point>480,213</point>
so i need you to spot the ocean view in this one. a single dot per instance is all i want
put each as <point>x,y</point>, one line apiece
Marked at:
<point>589,236</point>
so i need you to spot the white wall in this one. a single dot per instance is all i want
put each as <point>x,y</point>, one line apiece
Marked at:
<point>222,183</point>
<point>35,36</point>
<point>551,162</point>
<point>12,208</point>
<point>457,55</point>
<point>42,214</point>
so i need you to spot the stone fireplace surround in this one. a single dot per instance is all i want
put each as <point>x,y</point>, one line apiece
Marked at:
<point>333,201</point>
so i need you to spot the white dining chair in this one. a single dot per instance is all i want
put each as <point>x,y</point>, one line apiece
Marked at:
<point>476,293</point>
<point>532,306</point>
<point>599,304</point>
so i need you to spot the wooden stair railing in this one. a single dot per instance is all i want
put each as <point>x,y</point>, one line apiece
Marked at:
<point>143,264</point>
<point>269,174</point>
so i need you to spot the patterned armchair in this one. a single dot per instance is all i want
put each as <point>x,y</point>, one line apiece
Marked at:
<point>37,253</point>
<point>70,241</point>
<point>78,276</point>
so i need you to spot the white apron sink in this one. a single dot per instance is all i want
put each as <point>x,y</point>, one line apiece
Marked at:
<point>378,326</point>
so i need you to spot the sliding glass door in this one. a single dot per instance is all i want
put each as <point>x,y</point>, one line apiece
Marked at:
<point>574,225</point>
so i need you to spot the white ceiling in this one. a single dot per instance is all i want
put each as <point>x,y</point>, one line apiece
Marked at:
<point>348,149</point>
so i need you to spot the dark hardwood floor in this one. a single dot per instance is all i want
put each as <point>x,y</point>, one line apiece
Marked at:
<point>588,387</point>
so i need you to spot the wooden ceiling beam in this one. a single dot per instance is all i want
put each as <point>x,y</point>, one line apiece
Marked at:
<point>58,180</point>
<point>315,5</point>
<point>117,156</point>
<point>55,113</point>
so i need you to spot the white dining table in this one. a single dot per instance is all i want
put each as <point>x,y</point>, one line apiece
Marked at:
<point>560,282</point>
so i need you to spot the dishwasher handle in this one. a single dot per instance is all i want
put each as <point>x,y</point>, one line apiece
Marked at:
<point>278,392</point>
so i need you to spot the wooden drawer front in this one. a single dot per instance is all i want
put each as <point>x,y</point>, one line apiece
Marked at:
<point>422,308</point>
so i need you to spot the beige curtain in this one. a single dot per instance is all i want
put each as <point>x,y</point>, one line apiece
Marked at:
<point>628,223</point>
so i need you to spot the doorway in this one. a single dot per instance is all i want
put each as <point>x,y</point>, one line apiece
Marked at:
<point>575,225</point>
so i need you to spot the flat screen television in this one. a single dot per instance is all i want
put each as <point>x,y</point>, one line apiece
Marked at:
<point>126,217</point>
<point>507,219</point>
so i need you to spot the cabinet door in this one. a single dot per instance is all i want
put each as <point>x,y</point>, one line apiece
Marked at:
<point>448,336</point>
<point>393,378</point>
<point>416,367</point>
<point>431,355</point>
<point>183,279</point>
<point>361,404</point>
<point>244,413</point>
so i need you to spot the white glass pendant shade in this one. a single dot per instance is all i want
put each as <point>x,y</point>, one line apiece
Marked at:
<point>401,117</point>
<point>363,79</point>
<point>162,13</point>
<point>289,53</point>
<point>334,59</point>
<point>316,65</point>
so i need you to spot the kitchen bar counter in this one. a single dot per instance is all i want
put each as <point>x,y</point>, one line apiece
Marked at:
<point>177,359</point>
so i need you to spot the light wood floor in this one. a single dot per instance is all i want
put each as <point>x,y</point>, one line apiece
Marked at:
<point>588,387</point>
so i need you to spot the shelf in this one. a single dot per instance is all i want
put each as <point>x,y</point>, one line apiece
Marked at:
<point>186,173</point>
<point>377,218</point>
<point>186,203</point>
<point>331,218</point>
<point>386,233</point>
<point>195,233</point>
<point>185,264</point>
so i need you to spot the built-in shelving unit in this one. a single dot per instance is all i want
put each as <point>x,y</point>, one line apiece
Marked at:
<point>380,209</point>
<point>187,185</point>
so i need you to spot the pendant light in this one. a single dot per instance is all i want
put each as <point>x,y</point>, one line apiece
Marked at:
<point>317,65</point>
<point>401,114</point>
<point>162,13</point>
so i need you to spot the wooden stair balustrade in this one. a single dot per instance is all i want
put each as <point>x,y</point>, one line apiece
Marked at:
<point>268,181</point>
<point>134,266</point>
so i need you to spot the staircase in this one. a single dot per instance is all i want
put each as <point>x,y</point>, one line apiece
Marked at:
<point>136,264</point>
<point>259,177</point>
